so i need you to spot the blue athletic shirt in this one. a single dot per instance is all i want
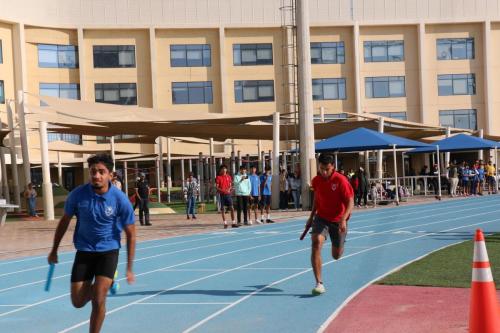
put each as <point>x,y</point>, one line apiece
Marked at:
<point>255,183</point>
<point>266,190</point>
<point>100,219</point>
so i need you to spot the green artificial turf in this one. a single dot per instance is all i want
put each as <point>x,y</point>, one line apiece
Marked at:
<point>449,267</point>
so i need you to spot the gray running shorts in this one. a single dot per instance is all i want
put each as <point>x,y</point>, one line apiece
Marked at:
<point>326,228</point>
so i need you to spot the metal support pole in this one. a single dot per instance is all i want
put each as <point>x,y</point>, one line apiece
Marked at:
<point>395,173</point>
<point>322,114</point>
<point>169,169</point>
<point>183,177</point>
<point>13,159</point>
<point>48,199</point>
<point>211,151</point>
<point>275,185</point>
<point>447,155</point>
<point>233,163</point>
<point>263,160</point>
<point>112,148</point>
<point>158,179</point>
<point>125,177</point>
<point>239,159</point>
<point>248,162</point>
<point>200,177</point>
<point>336,160</point>
<point>160,154</point>
<point>481,152</point>
<point>23,136</point>
<point>59,169</point>
<point>259,155</point>
<point>190,165</point>
<point>439,171</point>
<point>380,153</point>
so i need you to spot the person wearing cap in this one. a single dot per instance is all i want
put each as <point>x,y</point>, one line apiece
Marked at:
<point>142,196</point>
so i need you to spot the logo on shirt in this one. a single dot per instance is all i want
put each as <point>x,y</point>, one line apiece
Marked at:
<point>108,211</point>
<point>334,187</point>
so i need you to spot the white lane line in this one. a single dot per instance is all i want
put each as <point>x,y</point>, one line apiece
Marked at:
<point>255,232</point>
<point>246,265</point>
<point>12,305</point>
<point>215,314</point>
<point>378,225</point>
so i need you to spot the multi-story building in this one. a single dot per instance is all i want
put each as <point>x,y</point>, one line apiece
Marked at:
<point>434,62</point>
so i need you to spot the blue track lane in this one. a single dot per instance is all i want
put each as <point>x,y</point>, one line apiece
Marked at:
<point>255,279</point>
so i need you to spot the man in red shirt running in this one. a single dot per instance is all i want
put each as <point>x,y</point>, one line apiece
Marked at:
<point>332,207</point>
<point>224,182</point>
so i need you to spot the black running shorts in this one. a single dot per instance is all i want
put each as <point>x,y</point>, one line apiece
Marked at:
<point>88,265</point>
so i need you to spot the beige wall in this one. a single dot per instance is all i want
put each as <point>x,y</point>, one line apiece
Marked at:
<point>345,70</point>
<point>495,78</point>
<point>166,74</point>
<point>436,67</point>
<point>7,67</point>
<point>408,68</point>
<point>261,72</point>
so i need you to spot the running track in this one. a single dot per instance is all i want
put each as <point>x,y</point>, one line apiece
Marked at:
<point>254,279</point>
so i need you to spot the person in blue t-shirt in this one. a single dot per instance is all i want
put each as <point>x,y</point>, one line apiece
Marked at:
<point>265,194</point>
<point>254,194</point>
<point>102,213</point>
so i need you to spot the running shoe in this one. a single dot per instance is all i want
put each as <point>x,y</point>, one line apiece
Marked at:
<point>319,289</point>
<point>115,286</point>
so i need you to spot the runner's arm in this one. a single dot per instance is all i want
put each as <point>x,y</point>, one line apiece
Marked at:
<point>130,233</point>
<point>61,229</point>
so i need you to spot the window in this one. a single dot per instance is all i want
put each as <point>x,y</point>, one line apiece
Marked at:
<point>196,55</point>
<point>455,48</point>
<point>385,86</point>
<point>57,56</point>
<point>329,117</point>
<point>62,90</point>
<point>327,53</point>
<point>466,119</point>
<point>192,92</point>
<point>324,89</point>
<point>2,93</point>
<point>254,91</point>
<point>252,54</point>
<point>114,56</point>
<point>456,84</point>
<point>116,93</point>
<point>393,115</point>
<point>1,52</point>
<point>384,51</point>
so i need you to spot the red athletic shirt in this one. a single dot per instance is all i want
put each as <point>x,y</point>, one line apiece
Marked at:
<point>224,183</point>
<point>331,196</point>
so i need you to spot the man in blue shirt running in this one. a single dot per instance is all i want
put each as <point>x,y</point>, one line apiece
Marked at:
<point>102,212</point>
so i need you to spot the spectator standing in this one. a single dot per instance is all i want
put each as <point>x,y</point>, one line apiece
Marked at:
<point>453,174</point>
<point>30,196</point>
<point>296,188</point>
<point>265,190</point>
<point>242,189</point>
<point>191,192</point>
<point>224,184</point>
<point>284,190</point>
<point>142,195</point>
<point>254,195</point>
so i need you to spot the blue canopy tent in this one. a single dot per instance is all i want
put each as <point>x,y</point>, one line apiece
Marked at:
<point>362,139</point>
<point>460,142</point>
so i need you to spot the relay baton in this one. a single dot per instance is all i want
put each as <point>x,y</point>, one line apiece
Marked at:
<point>49,277</point>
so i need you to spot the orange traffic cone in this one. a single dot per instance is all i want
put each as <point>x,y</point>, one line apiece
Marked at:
<point>484,309</point>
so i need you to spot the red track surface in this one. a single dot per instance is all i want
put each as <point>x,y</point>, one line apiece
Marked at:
<point>397,309</point>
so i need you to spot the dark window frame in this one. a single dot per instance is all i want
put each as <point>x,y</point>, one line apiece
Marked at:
<point>382,79</point>
<point>58,49</point>
<point>121,86</point>
<point>112,52</point>
<point>469,77</point>
<point>339,52</point>
<point>240,85</point>
<point>238,58</point>
<point>386,44</point>
<point>323,82</point>
<point>206,61</point>
<point>470,52</point>
<point>471,113</point>
<point>206,86</point>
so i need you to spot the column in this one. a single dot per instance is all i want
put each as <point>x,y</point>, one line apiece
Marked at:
<point>160,155</point>
<point>480,153</point>
<point>239,159</point>
<point>5,184</point>
<point>158,179</point>
<point>233,163</point>
<point>275,186</point>
<point>112,148</point>
<point>447,155</point>
<point>200,177</point>
<point>322,114</point>
<point>380,153</point>
<point>13,158</point>
<point>190,165</point>
<point>48,199</point>
<point>183,176</point>
<point>259,155</point>
<point>248,162</point>
<point>169,169</point>
<point>306,127</point>
<point>59,169</point>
